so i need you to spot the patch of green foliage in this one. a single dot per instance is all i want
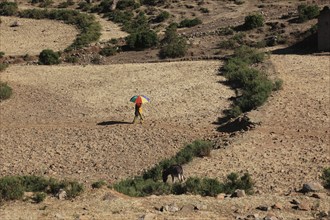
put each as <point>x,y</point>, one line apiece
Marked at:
<point>255,86</point>
<point>253,21</point>
<point>5,91</point>
<point>3,66</point>
<point>153,2</point>
<point>326,177</point>
<point>39,197</point>
<point>90,29</point>
<point>142,39</point>
<point>49,57</point>
<point>189,22</point>
<point>164,15</point>
<point>8,8</point>
<point>66,4</point>
<point>13,187</point>
<point>108,51</point>
<point>232,43</point>
<point>2,54</point>
<point>173,45</point>
<point>307,12</point>
<point>98,184</point>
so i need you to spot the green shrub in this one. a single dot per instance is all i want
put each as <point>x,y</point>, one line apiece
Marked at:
<point>152,2</point>
<point>326,177</point>
<point>49,57</point>
<point>8,8</point>
<point>39,197</point>
<point>164,15</point>
<point>46,3</point>
<point>253,21</point>
<point>84,6</point>
<point>249,55</point>
<point>173,45</point>
<point>72,188</point>
<point>98,184</point>
<point>120,16</point>
<point>125,4</point>
<point>307,12</point>
<point>277,84</point>
<point>71,59</point>
<point>3,66</point>
<point>34,183</point>
<point>190,22</point>
<point>108,51</point>
<point>233,183</point>
<point>141,40</point>
<point>5,91</point>
<point>204,10</point>
<point>11,188</point>
<point>2,54</point>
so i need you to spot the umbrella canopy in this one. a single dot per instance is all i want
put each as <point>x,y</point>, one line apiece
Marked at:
<point>140,99</point>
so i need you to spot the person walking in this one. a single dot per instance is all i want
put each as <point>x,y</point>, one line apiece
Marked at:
<point>138,113</point>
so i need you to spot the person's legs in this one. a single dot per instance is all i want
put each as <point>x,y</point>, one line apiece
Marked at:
<point>141,118</point>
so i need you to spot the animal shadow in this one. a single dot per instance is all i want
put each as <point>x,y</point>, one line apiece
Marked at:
<point>105,123</point>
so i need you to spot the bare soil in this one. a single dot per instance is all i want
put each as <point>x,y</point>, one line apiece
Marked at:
<point>74,121</point>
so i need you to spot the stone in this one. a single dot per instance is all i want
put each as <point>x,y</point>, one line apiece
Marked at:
<point>295,202</point>
<point>169,208</point>
<point>311,187</point>
<point>59,216</point>
<point>188,208</point>
<point>278,206</point>
<point>148,216</point>
<point>303,206</point>
<point>221,196</point>
<point>264,208</point>
<point>317,195</point>
<point>61,194</point>
<point>238,193</point>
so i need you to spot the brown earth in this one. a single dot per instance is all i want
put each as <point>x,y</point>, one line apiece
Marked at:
<point>74,122</point>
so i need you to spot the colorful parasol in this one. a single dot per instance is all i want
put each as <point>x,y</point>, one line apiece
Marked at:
<point>140,99</point>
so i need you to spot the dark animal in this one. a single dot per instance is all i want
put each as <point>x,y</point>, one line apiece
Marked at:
<point>174,171</point>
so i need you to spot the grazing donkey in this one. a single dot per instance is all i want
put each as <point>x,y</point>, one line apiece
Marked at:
<point>174,171</point>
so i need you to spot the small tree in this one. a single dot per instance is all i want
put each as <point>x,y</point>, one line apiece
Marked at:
<point>253,21</point>
<point>142,39</point>
<point>173,44</point>
<point>307,12</point>
<point>49,57</point>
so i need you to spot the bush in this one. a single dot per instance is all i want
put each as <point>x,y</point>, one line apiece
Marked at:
<point>152,2</point>
<point>233,183</point>
<point>141,40</point>
<point>98,184</point>
<point>326,177</point>
<point>5,91</point>
<point>39,197</point>
<point>173,45</point>
<point>11,188</point>
<point>253,21</point>
<point>49,57</point>
<point>84,6</point>
<point>164,15</point>
<point>307,12</point>
<point>108,51</point>
<point>190,22</point>
<point>2,54</point>
<point>71,59</point>
<point>3,66</point>
<point>8,8</point>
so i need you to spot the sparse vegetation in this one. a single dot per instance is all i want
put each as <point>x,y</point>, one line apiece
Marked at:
<point>190,22</point>
<point>164,15</point>
<point>8,8</point>
<point>173,45</point>
<point>142,39</point>
<point>3,66</point>
<point>255,86</point>
<point>150,182</point>
<point>39,197</point>
<point>2,54</point>
<point>326,177</point>
<point>253,21</point>
<point>13,187</point>
<point>98,184</point>
<point>49,57</point>
<point>307,12</point>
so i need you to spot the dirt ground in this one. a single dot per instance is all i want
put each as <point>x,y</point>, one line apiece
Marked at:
<point>33,36</point>
<point>75,122</point>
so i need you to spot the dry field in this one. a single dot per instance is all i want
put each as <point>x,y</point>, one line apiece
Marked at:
<point>32,36</point>
<point>75,122</point>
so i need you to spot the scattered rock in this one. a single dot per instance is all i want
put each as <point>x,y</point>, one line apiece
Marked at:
<point>295,202</point>
<point>221,196</point>
<point>15,24</point>
<point>201,207</point>
<point>311,187</point>
<point>317,195</point>
<point>188,208</point>
<point>148,216</point>
<point>278,206</point>
<point>61,194</point>
<point>238,193</point>
<point>302,206</point>
<point>270,216</point>
<point>169,208</point>
<point>264,208</point>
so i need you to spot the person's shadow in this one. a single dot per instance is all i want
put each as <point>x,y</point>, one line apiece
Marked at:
<point>105,123</point>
